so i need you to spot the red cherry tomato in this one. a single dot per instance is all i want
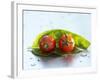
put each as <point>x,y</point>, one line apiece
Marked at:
<point>47,43</point>
<point>66,43</point>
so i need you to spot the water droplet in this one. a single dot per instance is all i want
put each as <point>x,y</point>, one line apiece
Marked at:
<point>31,58</point>
<point>83,55</point>
<point>80,61</point>
<point>33,64</point>
<point>38,60</point>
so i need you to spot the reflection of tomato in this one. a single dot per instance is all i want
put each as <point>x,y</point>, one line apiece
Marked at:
<point>69,58</point>
<point>47,43</point>
<point>66,43</point>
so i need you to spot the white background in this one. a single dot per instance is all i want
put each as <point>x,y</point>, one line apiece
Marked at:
<point>5,39</point>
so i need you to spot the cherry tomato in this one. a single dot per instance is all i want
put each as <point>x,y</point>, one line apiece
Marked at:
<point>47,43</point>
<point>66,43</point>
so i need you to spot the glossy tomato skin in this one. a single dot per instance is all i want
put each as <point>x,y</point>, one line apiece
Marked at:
<point>47,43</point>
<point>66,43</point>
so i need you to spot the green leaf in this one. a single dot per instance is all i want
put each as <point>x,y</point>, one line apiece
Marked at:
<point>80,42</point>
<point>56,53</point>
